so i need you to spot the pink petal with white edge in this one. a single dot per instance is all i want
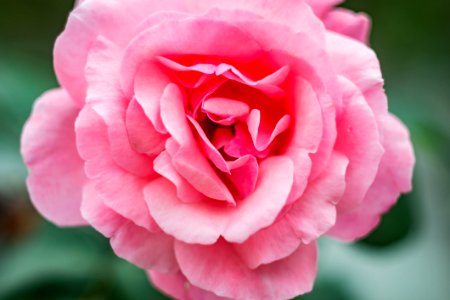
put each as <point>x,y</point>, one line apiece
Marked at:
<point>348,23</point>
<point>315,212</point>
<point>358,139</point>
<point>177,286</point>
<point>209,221</point>
<point>56,175</point>
<point>121,191</point>
<point>219,269</point>
<point>133,243</point>
<point>393,177</point>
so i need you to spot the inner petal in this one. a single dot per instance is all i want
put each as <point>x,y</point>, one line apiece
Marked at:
<point>261,132</point>
<point>224,111</point>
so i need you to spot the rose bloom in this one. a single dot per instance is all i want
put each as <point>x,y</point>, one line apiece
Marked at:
<point>214,141</point>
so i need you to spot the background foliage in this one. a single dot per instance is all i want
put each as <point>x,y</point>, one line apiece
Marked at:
<point>407,257</point>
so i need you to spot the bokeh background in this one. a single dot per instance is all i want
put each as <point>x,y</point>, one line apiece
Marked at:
<point>407,257</point>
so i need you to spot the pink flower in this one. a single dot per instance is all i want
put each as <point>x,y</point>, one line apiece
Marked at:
<point>214,141</point>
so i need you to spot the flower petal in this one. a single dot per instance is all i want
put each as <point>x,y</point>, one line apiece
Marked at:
<point>142,135</point>
<point>56,175</point>
<point>121,191</point>
<point>177,286</point>
<point>133,243</point>
<point>207,221</point>
<point>268,245</point>
<point>348,23</point>
<point>393,177</point>
<point>188,160</point>
<point>219,269</point>
<point>315,212</point>
<point>359,139</point>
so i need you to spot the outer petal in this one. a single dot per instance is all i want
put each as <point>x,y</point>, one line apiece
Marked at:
<point>348,23</point>
<point>270,244</point>
<point>208,221</point>
<point>321,7</point>
<point>394,177</point>
<point>359,139</point>
<point>56,175</point>
<point>360,65</point>
<point>145,249</point>
<point>120,21</point>
<point>120,190</point>
<point>106,98</point>
<point>217,268</point>
<point>178,287</point>
<point>315,212</point>
<point>113,19</point>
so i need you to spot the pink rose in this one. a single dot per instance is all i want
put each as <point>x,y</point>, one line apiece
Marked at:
<point>214,141</point>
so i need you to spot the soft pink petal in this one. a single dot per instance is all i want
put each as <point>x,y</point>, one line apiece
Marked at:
<point>225,107</point>
<point>159,40</point>
<point>129,241</point>
<point>189,76</point>
<point>307,59</point>
<point>360,65</point>
<point>348,23</point>
<point>219,269</point>
<point>120,21</point>
<point>185,191</point>
<point>211,152</point>
<point>261,134</point>
<point>56,176</point>
<point>103,219</point>
<point>322,7</point>
<point>268,84</point>
<point>107,99</point>
<point>198,73</point>
<point>177,286</point>
<point>393,177</point>
<point>306,136</point>
<point>359,139</point>
<point>142,135</point>
<point>119,190</point>
<point>149,85</point>
<point>269,244</point>
<point>315,212</point>
<point>113,115</point>
<point>145,249</point>
<point>208,221</point>
<point>117,21</point>
<point>244,174</point>
<point>189,162</point>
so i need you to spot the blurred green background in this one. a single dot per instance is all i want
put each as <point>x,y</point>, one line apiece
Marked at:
<point>407,257</point>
